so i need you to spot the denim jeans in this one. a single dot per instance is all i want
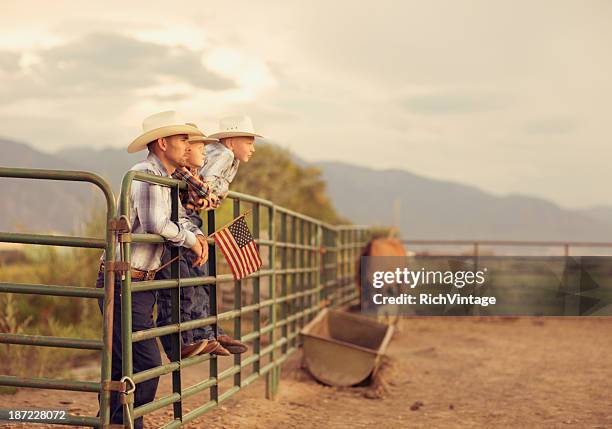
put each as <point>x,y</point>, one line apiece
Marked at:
<point>145,354</point>
<point>194,300</point>
<point>201,311</point>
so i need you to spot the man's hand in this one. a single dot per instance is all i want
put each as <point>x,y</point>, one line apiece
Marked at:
<point>202,247</point>
<point>198,250</point>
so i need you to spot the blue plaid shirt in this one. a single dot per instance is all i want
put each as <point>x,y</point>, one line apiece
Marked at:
<point>220,168</point>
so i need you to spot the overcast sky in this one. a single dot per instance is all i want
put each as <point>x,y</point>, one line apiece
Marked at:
<point>510,96</point>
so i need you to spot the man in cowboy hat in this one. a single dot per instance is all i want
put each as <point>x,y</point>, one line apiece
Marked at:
<point>236,143</point>
<point>166,137</point>
<point>198,196</point>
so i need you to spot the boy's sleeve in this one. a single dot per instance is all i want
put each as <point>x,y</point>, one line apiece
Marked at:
<point>214,171</point>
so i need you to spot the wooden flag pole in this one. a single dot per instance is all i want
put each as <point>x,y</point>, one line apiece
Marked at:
<point>231,222</point>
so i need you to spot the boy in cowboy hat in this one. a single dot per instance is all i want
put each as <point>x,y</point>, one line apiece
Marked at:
<point>236,143</point>
<point>200,197</point>
<point>166,137</point>
<point>197,197</point>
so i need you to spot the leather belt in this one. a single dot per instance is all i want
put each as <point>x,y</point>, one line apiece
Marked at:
<point>137,274</point>
<point>143,275</point>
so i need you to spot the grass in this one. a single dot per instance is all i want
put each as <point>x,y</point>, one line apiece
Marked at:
<point>50,315</point>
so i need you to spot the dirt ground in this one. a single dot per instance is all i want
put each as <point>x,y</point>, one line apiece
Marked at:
<point>439,373</point>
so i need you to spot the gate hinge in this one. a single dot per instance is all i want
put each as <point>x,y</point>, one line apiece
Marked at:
<point>120,225</point>
<point>114,386</point>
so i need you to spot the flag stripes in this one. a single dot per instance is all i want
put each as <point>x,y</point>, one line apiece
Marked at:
<point>238,246</point>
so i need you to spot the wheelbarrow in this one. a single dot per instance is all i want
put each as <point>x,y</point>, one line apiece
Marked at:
<point>343,349</point>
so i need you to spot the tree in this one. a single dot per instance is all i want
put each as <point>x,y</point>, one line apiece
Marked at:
<point>272,174</point>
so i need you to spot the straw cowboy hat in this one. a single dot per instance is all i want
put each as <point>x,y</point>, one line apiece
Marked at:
<point>163,124</point>
<point>200,139</point>
<point>235,126</point>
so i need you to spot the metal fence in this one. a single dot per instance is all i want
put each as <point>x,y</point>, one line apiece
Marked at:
<point>308,265</point>
<point>104,345</point>
<point>477,246</point>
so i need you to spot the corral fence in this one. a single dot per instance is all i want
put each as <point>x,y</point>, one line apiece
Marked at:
<point>478,248</point>
<point>308,265</point>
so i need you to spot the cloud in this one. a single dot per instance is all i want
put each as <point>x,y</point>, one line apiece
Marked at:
<point>449,91</point>
<point>450,102</point>
<point>103,63</point>
<point>550,126</point>
<point>9,62</point>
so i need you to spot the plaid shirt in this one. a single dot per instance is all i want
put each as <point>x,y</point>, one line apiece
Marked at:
<point>199,195</point>
<point>220,168</point>
<point>149,211</point>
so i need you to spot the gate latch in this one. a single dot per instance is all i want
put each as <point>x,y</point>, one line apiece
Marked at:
<point>126,388</point>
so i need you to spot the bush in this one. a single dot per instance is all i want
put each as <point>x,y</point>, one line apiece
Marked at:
<point>50,315</point>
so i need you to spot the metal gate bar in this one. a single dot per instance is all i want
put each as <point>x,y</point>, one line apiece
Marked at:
<point>104,346</point>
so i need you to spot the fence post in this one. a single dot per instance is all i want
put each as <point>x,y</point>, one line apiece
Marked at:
<point>213,369</point>
<point>257,295</point>
<point>175,312</point>
<point>126,302</point>
<point>273,374</point>
<point>284,305</point>
<point>109,309</point>
<point>339,265</point>
<point>237,306</point>
<point>320,264</point>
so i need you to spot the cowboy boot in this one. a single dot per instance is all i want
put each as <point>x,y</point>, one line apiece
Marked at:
<point>234,346</point>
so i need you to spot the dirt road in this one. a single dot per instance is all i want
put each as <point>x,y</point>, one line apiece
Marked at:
<point>440,373</point>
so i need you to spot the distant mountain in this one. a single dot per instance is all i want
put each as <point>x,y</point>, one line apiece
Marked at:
<point>36,205</point>
<point>110,163</point>
<point>433,209</point>
<point>602,213</point>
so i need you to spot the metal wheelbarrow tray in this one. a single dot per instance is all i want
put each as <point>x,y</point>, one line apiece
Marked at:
<point>343,349</point>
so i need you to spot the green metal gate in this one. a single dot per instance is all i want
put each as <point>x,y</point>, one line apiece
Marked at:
<point>104,346</point>
<point>308,265</point>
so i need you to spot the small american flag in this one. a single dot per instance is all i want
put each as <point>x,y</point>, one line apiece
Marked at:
<point>239,248</point>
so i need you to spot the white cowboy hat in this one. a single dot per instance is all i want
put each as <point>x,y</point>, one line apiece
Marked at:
<point>160,125</point>
<point>200,138</point>
<point>235,126</point>
<point>205,140</point>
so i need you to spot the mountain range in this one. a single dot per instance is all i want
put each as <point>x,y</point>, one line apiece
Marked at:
<point>430,208</point>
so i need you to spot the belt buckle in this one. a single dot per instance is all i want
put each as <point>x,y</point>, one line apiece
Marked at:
<point>149,275</point>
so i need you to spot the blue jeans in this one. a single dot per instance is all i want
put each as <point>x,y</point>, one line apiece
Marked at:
<point>201,311</point>
<point>145,354</point>
<point>194,300</point>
